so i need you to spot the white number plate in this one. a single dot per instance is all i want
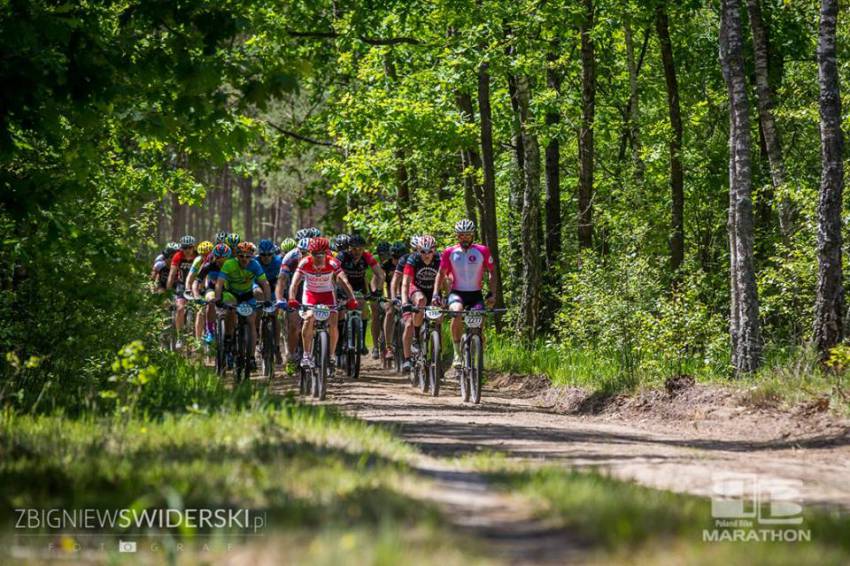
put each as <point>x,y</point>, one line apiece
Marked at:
<point>321,312</point>
<point>473,320</point>
<point>244,309</point>
<point>433,313</point>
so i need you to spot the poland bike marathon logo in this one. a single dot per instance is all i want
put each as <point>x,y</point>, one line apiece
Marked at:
<point>750,508</point>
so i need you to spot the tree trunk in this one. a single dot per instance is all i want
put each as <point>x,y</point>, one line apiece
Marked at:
<point>529,305</point>
<point>632,113</point>
<point>402,176</point>
<point>516,188</point>
<point>472,164</point>
<point>767,121</point>
<point>467,174</point>
<point>488,189</point>
<point>585,141</point>
<point>227,200</point>
<point>677,190</point>
<point>747,356</point>
<point>553,172</point>
<point>247,209</point>
<point>829,303</point>
<point>178,218</point>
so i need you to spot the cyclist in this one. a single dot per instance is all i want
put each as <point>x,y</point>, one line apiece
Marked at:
<point>321,273</point>
<point>288,266</point>
<point>205,279</point>
<point>271,264</point>
<point>162,265</point>
<point>286,245</point>
<point>387,261</point>
<point>420,274</point>
<point>181,262</point>
<point>466,264</point>
<point>342,244</point>
<point>204,250</point>
<point>398,251</point>
<point>354,262</point>
<point>235,285</point>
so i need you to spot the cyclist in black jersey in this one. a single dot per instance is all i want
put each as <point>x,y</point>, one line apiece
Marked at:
<point>355,262</point>
<point>420,274</point>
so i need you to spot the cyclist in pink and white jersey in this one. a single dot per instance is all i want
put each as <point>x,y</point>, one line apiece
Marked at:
<point>320,274</point>
<point>467,265</point>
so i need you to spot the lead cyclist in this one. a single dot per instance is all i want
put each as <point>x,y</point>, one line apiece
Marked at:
<point>467,264</point>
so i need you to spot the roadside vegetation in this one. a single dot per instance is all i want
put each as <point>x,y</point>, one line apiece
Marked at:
<point>630,524</point>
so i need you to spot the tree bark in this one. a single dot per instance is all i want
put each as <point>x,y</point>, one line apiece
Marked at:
<point>585,142</point>
<point>632,113</point>
<point>770,132</point>
<point>747,338</point>
<point>178,219</point>
<point>677,190</point>
<point>517,186</point>
<point>247,209</point>
<point>488,189</point>
<point>553,172</point>
<point>227,200</point>
<point>829,302</point>
<point>473,191</point>
<point>529,305</point>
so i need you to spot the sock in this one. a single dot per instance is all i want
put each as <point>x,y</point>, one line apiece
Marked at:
<point>457,348</point>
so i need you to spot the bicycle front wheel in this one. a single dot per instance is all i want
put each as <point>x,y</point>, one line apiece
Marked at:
<point>322,367</point>
<point>476,357</point>
<point>435,365</point>
<point>268,348</point>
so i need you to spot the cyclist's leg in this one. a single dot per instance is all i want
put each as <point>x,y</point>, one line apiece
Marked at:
<point>375,312</point>
<point>307,334</point>
<point>388,328</point>
<point>230,319</point>
<point>456,305</point>
<point>418,300</point>
<point>333,331</point>
<point>407,337</point>
<point>180,319</point>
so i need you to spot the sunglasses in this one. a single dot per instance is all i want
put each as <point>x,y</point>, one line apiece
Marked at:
<point>427,252</point>
<point>267,255</point>
<point>319,254</point>
<point>244,256</point>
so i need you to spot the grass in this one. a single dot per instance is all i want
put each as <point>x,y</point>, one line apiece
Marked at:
<point>787,377</point>
<point>629,523</point>
<point>334,484</point>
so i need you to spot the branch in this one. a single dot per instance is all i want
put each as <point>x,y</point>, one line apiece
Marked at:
<point>364,39</point>
<point>301,137</point>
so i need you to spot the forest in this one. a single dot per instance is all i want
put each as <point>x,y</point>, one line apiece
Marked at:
<point>660,184</point>
<point>594,143</point>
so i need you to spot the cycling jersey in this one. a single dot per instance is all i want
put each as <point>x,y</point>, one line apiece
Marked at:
<point>355,269</point>
<point>318,281</point>
<point>272,269</point>
<point>239,280</point>
<point>466,266</point>
<point>209,271</point>
<point>160,266</point>
<point>289,263</point>
<point>422,275</point>
<point>402,261</point>
<point>389,268</point>
<point>183,265</point>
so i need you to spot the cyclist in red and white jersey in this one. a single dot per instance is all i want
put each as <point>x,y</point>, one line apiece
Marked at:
<point>467,264</point>
<point>320,274</point>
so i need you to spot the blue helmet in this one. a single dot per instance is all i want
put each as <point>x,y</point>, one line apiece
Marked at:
<point>266,246</point>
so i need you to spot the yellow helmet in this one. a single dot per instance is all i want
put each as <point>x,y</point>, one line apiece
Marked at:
<point>205,247</point>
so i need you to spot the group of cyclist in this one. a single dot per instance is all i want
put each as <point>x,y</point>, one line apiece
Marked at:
<point>313,270</point>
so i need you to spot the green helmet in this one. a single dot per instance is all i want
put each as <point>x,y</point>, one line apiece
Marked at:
<point>287,244</point>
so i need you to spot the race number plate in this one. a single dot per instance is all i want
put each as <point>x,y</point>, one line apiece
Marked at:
<point>244,309</point>
<point>321,312</point>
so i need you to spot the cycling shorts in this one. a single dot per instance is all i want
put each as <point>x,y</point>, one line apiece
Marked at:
<point>467,298</point>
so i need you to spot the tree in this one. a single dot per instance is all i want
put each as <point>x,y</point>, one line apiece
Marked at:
<point>677,183</point>
<point>585,141</point>
<point>553,171</point>
<point>745,327</point>
<point>829,302</point>
<point>772,139</point>
<point>529,304</point>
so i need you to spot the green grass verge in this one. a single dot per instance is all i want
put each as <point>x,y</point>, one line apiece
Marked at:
<point>330,483</point>
<point>786,378</point>
<point>634,524</point>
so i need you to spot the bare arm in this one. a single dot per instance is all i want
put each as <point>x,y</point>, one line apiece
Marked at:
<point>172,277</point>
<point>341,278</point>
<point>293,286</point>
<point>219,289</point>
<point>405,289</point>
<point>267,289</point>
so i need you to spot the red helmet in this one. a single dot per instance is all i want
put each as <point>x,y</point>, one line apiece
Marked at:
<point>318,245</point>
<point>245,248</point>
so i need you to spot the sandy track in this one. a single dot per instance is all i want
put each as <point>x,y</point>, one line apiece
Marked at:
<point>680,458</point>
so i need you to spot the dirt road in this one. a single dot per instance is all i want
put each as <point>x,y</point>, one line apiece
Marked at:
<point>681,457</point>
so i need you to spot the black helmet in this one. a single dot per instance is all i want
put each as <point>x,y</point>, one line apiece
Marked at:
<point>341,242</point>
<point>356,241</point>
<point>383,248</point>
<point>398,249</point>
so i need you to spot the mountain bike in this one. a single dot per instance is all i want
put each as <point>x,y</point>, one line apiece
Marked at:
<point>240,346</point>
<point>315,379</point>
<point>351,340</point>
<point>267,338</point>
<point>426,365</point>
<point>472,352</point>
<point>398,332</point>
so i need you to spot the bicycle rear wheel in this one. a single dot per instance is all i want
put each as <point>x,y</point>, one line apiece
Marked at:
<point>463,373</point>
<point>220,349</point>
<point>267,347</point>
<point>353,369</point>
<point>476,357</point>
<point>435,364</point>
